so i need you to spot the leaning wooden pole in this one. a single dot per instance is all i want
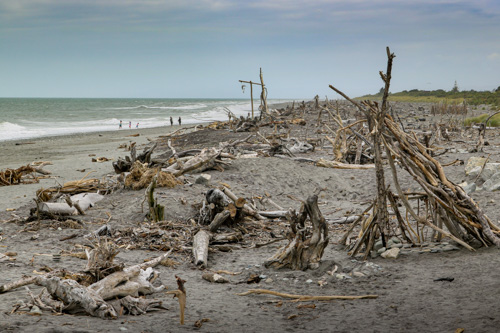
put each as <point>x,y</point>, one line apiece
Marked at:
<point>382,214</point>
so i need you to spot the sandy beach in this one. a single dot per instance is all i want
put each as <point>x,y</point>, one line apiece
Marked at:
<point>410,295</point>
<point>71,157</point>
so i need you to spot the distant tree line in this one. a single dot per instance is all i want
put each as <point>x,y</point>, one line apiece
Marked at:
<point>472,97</point>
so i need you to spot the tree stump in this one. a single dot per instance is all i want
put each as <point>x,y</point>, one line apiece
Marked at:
<point>305,248</point>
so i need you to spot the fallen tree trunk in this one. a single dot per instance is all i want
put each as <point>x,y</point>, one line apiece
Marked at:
<point>79,203</point>
<point>200,247</point>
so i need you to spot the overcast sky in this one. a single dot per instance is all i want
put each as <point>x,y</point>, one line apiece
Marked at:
<point>201,48</point>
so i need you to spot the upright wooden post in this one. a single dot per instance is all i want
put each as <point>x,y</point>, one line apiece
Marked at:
<point>251,96</point>
<point>263,95</point>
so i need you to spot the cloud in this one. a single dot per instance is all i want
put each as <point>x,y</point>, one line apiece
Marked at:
<point>494,56</point>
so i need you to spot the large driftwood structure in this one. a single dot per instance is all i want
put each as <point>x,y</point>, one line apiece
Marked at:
<point>449,205</point>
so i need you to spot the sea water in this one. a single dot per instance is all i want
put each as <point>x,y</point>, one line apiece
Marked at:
<point>30,118</point>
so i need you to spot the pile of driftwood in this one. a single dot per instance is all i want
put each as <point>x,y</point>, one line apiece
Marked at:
<point>447,205</point>
<point>25,174</point>
<point>103,289</point>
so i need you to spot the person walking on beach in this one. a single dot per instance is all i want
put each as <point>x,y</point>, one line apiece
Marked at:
<point>129,124</point>
<point>171,122</point>
<point>179,121</point>
<point>120,126</point>
<point>137,126</point>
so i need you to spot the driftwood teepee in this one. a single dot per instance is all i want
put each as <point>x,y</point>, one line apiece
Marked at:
<point>447,204</point>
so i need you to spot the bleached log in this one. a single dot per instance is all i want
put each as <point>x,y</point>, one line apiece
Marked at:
<point>83,200</point>
<point>133,282</point>
<point>204,160</point>
<point>58,208</point>
<point>76,296</point>
<point>200,247</point>
<point>273,214</point>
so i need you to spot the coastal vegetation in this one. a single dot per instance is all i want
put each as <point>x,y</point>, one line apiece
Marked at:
<point>453,96</point>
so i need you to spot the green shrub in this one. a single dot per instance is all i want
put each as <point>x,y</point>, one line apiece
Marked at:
<point>494,121</point>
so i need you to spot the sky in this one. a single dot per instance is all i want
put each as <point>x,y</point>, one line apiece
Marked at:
<point>202,48</point>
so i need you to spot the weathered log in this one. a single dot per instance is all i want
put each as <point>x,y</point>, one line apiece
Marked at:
<point>203,161</point>
<point>82,200</point>
<point>132,282</point>
<point>218,220</point>
<point>200,247</point>
<point>76,297</point>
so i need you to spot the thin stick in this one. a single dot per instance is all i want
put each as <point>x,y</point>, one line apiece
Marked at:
<point>302,298</point>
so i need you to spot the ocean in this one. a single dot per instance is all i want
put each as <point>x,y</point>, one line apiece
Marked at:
<point>30,118</point>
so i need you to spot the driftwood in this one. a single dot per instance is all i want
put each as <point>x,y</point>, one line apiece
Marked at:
<point>156,211</point>
<point>76,296</point>
<point>180,293</point>
<point>76,204</point>
<point>199,163</point>
<point>200,247</point>
<point>132,280</point>
<point>246,208</point>
<point>304,250</point>
<point>446,203</point>
<point>124,165</point>
<point>303,298</point>
<point>17,176</point>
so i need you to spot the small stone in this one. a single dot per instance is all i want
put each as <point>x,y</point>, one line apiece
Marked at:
<point>285,279</point>
<point>373,254</point>
<point>397,246</point>
<point>436,250</point>
<point>123,329</point>
<point>448,248</point>
<point>395,240</point>
<point>358,274</point>
<point>203,179</point>
<point>381,250</point>
<point>378,245</point>
<point>268,280</point>
<point>391,254</point>
<point>470,188</point>
<point>36,310</point>
<point>309,281</point>
<point>59,228</point>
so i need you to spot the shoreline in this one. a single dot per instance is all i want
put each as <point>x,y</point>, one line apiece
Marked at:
<point>71,157</point>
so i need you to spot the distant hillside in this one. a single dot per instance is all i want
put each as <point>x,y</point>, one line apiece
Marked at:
<point>472,97</point>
